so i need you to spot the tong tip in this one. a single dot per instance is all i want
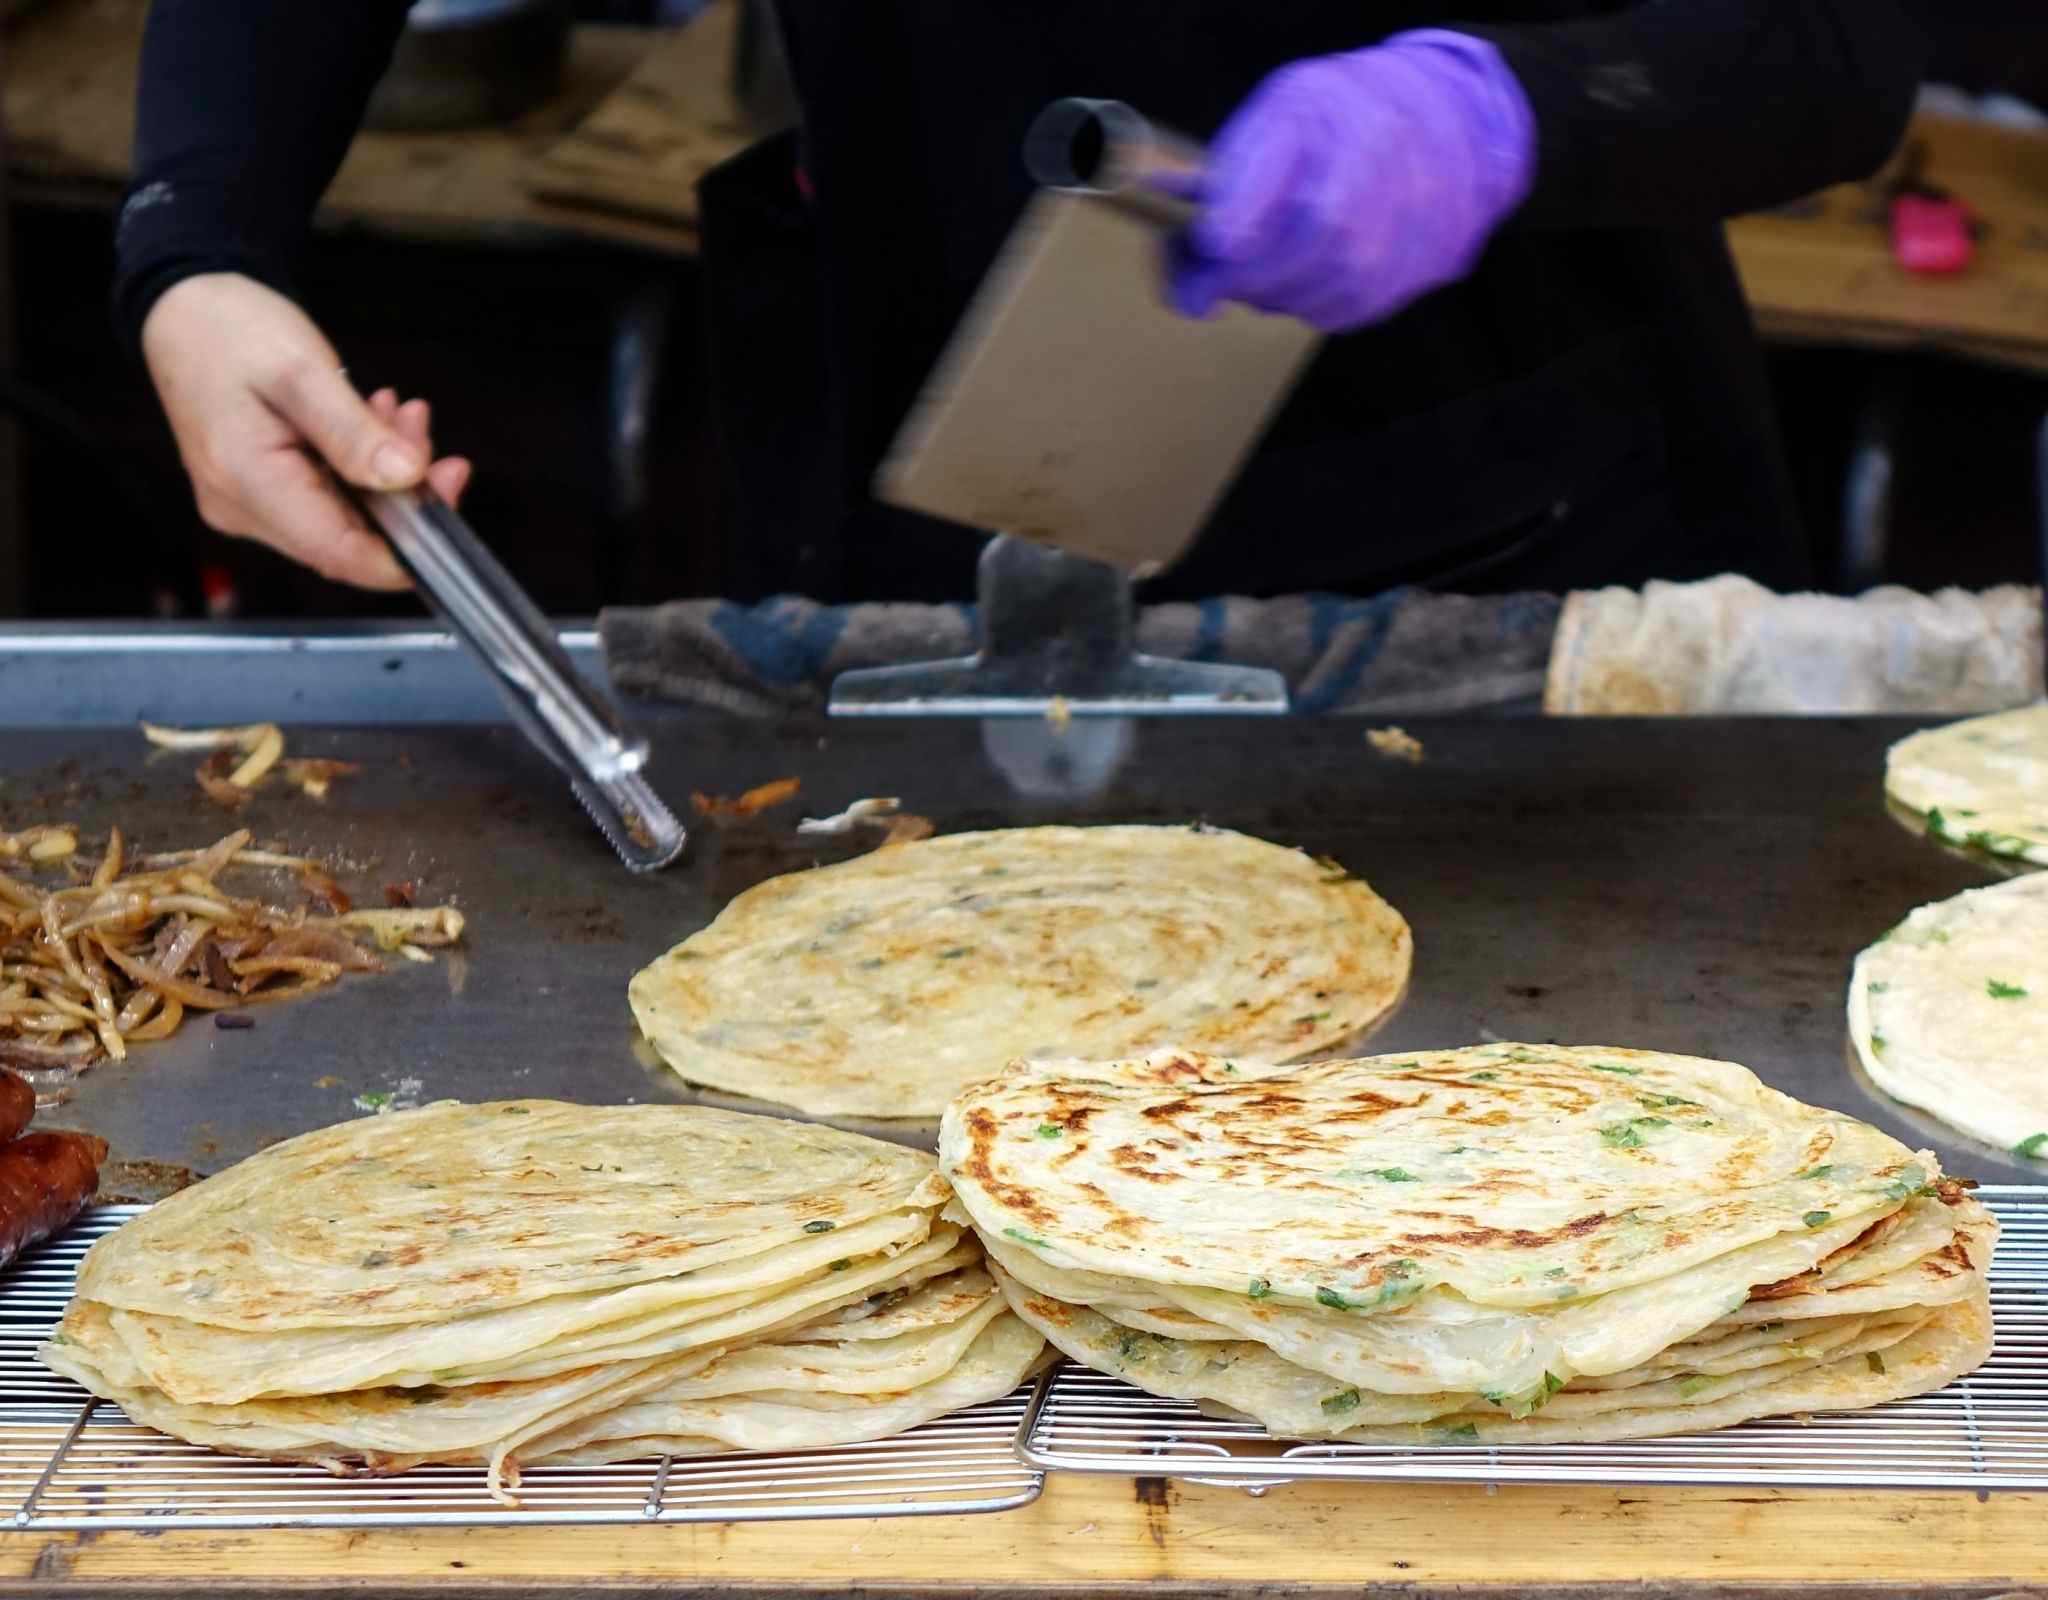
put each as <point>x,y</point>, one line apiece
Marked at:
<point>645,833</point>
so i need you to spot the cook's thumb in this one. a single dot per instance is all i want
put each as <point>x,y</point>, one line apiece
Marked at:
<point>323,405</point>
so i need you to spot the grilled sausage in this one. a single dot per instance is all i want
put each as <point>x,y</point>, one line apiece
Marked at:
<point>45,1181</point>
<point>17,1105</point>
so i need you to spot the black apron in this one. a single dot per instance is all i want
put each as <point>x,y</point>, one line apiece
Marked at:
<point>1586,408</point>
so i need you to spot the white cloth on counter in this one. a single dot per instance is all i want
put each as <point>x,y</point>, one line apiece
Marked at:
<point>1727,645</point>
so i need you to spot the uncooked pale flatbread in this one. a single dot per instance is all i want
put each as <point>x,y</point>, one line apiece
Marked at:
<point>1949,1012</point>
<point>1980,783</point>
<point>883,985</point>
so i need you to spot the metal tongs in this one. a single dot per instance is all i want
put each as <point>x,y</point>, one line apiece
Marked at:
<point>572,722</point>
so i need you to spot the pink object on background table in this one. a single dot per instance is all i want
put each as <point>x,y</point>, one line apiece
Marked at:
<point>1932,234</point>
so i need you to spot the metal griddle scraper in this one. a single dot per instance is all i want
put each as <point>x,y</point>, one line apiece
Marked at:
<point>1073,407</point>
<point>1091,429</point>
<point>571,721</point>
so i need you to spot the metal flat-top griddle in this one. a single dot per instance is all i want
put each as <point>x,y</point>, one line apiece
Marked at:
<point>1686,885</point>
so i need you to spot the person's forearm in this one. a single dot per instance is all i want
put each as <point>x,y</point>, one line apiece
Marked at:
<point>246,108</point>
<point>1688,111</point>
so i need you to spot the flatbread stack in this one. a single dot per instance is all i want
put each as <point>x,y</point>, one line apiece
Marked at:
<point>530,1282</point>
<point>1949,1012</point>
<point>1507,1243</point>
<point>883,985</point>
<point>1981,783</point>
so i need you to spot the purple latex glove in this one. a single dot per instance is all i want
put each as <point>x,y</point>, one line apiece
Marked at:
<point>1349,185</point>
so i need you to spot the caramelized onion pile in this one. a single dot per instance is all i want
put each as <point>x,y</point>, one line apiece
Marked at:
<point>120,949</point>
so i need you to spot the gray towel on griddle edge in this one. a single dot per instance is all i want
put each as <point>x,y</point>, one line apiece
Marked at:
<point>1405,651</point>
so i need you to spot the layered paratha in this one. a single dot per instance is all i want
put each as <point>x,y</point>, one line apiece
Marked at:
<point>1517,1175</point>
<point>1001,1355</point>
<point>1952,1343</point>
<point>882,985</point>
<point>1439,1341</point>
<point>682,1271</point>
<point>1512,1242</point>
<point>1245,1378</point>
<point>452,1208</point>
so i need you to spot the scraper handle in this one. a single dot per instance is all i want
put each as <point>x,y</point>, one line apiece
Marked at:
<point>488,610</point>
<point>1105,149</point>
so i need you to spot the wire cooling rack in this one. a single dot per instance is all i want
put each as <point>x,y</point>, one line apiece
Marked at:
<point>68,1461</point>
<point>1986,1431</point>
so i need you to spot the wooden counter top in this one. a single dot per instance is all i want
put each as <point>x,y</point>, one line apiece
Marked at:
<point>1102,1535</point>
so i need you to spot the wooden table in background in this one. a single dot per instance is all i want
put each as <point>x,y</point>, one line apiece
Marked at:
<point>644,114</point>
<point>1822,271</point>
<point>642,151</point>
<point>68,106</point>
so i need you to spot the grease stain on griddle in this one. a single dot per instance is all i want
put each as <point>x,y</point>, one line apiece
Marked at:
<point>136,1183</point>
<point>68,784</point>
<point>598,923</point>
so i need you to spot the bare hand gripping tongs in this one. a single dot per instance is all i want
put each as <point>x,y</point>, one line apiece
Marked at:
<point>572,722</point>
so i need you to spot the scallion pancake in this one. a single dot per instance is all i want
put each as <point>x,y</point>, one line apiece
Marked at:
<point>1439,1342</point>
<point>1492,1244</point>
<point>452,1208</point>
<point>1955,1340</point>
<point>1519,1176</point>
<point>1949,1012</point>
<point>756,1277</point>
<point>1981,783</point>
<point>1002,1351</point>
<point>1292,1401</point>
<point>200,1363</point>
<point>881,985</point>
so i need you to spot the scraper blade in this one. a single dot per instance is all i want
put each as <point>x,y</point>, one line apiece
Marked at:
<point>1072,406</point>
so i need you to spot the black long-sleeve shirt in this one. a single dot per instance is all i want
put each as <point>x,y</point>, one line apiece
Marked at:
<point>245,110</point>
<point>1587,406</point>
